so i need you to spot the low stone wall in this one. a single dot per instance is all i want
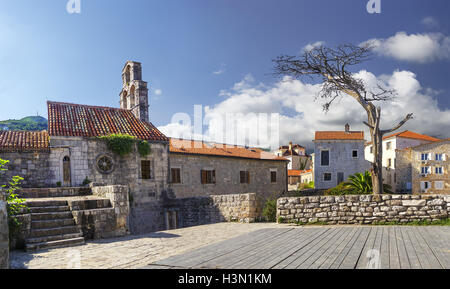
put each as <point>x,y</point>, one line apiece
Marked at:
<point>365,209</point>
<point>213,209</point>
<point>96,220</point>
<point>4,235</point>
<point>28,193</point>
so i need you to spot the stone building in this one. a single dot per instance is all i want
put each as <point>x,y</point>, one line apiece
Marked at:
<point>198,169</point>
<point>392,145</point>
<point>72,153</point>
<point>337,155</point>
<point>424,169</point>
<point>296,155</point>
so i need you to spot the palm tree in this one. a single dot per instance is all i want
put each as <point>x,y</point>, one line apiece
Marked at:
<point>362,184</point>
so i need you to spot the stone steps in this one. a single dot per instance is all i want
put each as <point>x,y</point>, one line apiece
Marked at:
<point>52,225</point>
<point>54,193</point>
<point>55,244</point>
<point>49,224</point>
<point>67,214</point>
<point>53,238</point>
<point>54,231</point>
<point>57,209</point>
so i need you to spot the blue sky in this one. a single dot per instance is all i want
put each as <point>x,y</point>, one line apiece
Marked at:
<point>193,50</point>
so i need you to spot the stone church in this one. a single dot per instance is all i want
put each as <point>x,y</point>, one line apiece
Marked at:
<point>70,153</point>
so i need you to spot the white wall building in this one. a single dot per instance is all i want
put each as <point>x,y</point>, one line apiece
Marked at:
<point>391,145</point>
<point>337,155</point>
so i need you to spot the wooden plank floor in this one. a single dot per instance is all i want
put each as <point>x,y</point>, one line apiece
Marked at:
<point>323,248</point>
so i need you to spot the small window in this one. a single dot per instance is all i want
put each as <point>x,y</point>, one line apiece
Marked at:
<point>355,154</point>
<point>208,176</point>
<point>245,177</point>
<point>388,145</point>
<point>389,163</point>
<point>371,149</point>
<point>327,177</point>
<point>146,171</point>
<point>425,157</point>
<point>425,185</point>
<point>439,185</point>
<point>325,158</point>
<point>439,157</point>
<point>425,170</point>
<point>175,176</point>
<point>439,170</point>
<point>273,177</point>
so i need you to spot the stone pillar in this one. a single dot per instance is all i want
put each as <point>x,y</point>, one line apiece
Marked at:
<point>4,234</point>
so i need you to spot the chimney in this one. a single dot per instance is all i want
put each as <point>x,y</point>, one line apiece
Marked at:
<point>347,128</point>
<point>290,146</point>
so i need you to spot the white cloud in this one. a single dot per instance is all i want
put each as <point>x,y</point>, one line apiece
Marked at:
<point>311,46</point>
<point>420,48</point>
<point>248,99</point>
<point>158,91</point>
<point>430,22</point>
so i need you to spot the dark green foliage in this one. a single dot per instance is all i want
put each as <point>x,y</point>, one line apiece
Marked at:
<point>143,148</point>
<point>357,184</point>
<point>121,144</point>
<point>86,182</point>
<point>15,205</point>
<point>270,210</point>
<point>30,123</point>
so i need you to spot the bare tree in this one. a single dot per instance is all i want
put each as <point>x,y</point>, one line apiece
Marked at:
<point>331,66</point>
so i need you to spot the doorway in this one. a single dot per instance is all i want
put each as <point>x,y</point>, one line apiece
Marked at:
<point>67,180</point>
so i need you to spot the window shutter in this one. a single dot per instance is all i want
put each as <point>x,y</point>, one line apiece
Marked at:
<point>430,156</point>
<point>444,157</point>
<point>422,185</point>
<point>203,176</point>
<point>214,176</point>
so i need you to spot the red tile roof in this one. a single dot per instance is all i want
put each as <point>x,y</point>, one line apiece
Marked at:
<point>297,173</point>
<point>65,119</point>
<point>215,149</point>
<point>339,135</point>
<point>23,141</point>
<point>413,135</point>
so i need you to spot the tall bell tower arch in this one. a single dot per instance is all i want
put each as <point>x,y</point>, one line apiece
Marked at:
<point>134,94</point>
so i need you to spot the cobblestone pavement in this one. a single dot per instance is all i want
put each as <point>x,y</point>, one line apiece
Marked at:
<point>132,251</point>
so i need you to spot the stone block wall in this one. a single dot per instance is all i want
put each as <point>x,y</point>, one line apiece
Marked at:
<point>365,209</point>
<point>96,220</point>
<point>32,166</point>
<point>4,234</point>
<point>214,209</point>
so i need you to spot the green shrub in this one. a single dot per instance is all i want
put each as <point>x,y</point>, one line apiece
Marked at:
<point>270,210</point>
<point>143,148</point>
<point>86,182</point>
<point>121,144</point>
<point>58,184</point>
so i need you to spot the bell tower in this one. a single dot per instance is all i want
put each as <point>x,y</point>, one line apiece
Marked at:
<point>134,94</point>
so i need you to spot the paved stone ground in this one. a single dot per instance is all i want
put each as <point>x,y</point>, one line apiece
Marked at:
<point>133,251</point>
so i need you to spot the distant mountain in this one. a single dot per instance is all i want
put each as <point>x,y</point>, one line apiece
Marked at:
<point>33,123</point>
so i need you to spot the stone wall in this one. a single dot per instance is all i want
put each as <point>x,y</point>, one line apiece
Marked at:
<point>366,209</point>
<point>227,176</point>
<point>103,222</point>
<point>4,234</point>
<point>214,209</point>
<point>32,166</point>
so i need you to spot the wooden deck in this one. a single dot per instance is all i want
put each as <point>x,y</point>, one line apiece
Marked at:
<point>323,248</point>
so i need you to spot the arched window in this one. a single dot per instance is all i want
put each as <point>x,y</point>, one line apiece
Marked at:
<point>128,74</point>
<point>67,180</point>
<point>132,97</point>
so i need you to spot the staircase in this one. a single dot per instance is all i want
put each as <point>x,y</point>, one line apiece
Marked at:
<point>52,226</point>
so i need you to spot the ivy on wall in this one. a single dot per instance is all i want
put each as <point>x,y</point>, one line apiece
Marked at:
<point>122,144</point>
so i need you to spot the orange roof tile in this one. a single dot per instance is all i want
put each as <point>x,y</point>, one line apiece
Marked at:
<point>297,173</point>
<point>66,119</point>
<point>413,135</point>
<point>339,135</point>
<point>215,149</point>
<point>23,141</point>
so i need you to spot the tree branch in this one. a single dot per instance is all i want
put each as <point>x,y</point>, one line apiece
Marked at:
<point>405,120</point>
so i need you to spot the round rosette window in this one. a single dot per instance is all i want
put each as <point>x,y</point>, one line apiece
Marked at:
<point>105,164</point>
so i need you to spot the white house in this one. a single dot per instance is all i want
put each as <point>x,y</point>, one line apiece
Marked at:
<point>337,155</point>
<point>392,145</point>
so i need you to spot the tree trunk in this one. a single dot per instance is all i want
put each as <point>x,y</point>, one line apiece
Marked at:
<point>374,115</point>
